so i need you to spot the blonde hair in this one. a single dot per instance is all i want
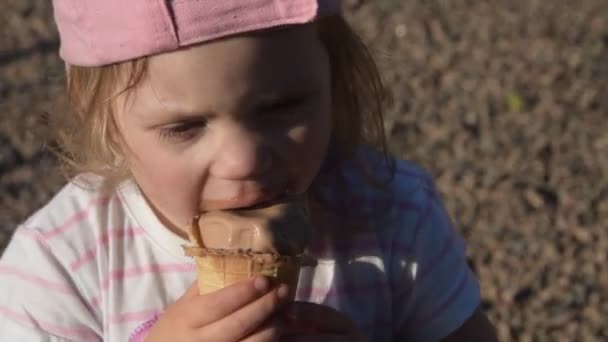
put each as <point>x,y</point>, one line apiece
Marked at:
<point>88,139</point>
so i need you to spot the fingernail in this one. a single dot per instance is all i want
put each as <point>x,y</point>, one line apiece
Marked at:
<point>283,291</point>
<point>260,284</point>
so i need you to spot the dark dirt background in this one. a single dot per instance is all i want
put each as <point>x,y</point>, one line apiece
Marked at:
<point>505,101</point>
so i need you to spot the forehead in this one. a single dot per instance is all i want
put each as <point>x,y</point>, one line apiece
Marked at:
<point>220,73</point>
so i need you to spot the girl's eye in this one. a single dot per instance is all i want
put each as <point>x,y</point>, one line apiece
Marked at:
<point>181,131</point>
<point>285,107</point>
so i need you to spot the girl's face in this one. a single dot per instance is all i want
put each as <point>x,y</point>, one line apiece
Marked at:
<point>229,123</point>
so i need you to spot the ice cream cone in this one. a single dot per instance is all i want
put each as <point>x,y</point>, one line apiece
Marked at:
<point>218,268</point>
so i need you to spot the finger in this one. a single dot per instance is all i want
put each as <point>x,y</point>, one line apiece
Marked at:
<point>247,319</point>
<point>215,306</point>
<point>269,331</point>
<point>316,318</point>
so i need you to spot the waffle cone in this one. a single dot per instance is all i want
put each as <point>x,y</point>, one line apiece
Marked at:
<point>217,269</point>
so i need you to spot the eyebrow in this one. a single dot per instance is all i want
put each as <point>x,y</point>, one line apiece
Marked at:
<point>301,89</point>
<point>167,115</point>
<point>177,113</point>
<point>186,115</point>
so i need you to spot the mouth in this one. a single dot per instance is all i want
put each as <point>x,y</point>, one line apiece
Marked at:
<point>264,203</point>
<point>250,201</point>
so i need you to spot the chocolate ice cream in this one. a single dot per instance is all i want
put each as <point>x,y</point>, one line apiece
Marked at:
<point>282,228</point>
<point>232,245</point>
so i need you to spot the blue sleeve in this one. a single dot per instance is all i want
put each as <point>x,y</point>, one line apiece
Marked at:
<point>434,290</point>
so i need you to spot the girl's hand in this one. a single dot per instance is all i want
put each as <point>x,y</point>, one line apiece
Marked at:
<point>314,322</point>
<point>241,312</point>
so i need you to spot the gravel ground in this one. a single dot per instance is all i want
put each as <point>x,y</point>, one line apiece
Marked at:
<point>505,101</point>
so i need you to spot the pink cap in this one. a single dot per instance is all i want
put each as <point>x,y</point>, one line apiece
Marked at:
<point>99,32</point>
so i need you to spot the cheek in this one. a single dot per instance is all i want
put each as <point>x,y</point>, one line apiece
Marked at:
<point>162,173</point>
<point>169,180</point>
<point>317,138</point>
<point>321,129</point>
<point>312,144</point>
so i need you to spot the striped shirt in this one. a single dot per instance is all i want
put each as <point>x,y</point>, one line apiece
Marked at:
<point>88,267</point>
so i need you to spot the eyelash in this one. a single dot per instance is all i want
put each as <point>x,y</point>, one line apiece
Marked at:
<point>186,130</point>
<point>283,104</point>
<point>181,131</point>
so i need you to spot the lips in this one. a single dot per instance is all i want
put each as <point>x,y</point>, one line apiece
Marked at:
<point>247,201</point>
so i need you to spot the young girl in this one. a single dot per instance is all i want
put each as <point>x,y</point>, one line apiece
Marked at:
<point>185,106</point>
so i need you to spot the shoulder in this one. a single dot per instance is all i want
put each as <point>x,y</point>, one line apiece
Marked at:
<point>40,273</point>
<point>398,178</point>
<point>433,289</point>
<point>383,196</point>
<point>410,178</point>
<point>80,203</point>
<point>73,220</point>
<point>51,268</point>
<point>395,191</point>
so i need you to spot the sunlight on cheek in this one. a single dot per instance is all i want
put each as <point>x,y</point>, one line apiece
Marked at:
<point>171,184</point>
<point>299,134</point>
<point>155,161</point>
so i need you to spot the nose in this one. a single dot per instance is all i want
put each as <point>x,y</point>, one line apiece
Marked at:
<point>242,155</point>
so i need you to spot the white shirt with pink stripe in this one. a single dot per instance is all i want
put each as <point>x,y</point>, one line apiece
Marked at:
<point>88,267</point>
